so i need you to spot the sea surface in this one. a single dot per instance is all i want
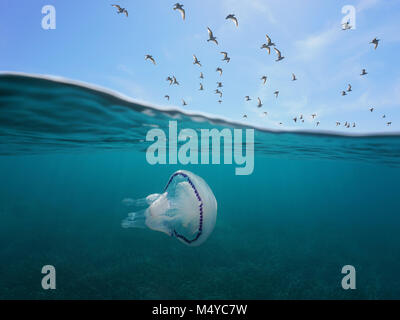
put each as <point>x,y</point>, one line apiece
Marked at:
<point>69,155</point>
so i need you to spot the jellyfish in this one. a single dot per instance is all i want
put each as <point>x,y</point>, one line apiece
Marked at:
<point>186,210</point>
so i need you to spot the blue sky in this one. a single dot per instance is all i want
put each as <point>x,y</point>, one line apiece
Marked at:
<point>92,43</point>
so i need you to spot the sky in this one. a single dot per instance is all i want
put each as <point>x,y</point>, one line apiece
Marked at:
<point>94,44</point>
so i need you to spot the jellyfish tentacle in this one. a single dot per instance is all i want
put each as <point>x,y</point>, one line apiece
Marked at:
<point>135,220</point>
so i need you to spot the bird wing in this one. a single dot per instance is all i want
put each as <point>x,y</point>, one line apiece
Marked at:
<point>259,100</point>
<point>233,19</point>
<point>225,54</point>
<point>182,11</point>
<point>268,49</point>
<point>116,6</point>
<point>210,34</point>
<point>278,52</point>
<point>126,12</point>
<point>268,39</point>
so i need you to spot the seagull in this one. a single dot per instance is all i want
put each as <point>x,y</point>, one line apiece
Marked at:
<point>354,124</point>
<point>167,97</point>
<point>120,10</point>
<point>348,87</point>
<point>269,42</point>
<point>219,101</point>
<point>233,18</point>
<point>384,116</point>
<point>264,79</point>
<point>371,109</point>
<point>179,7</point>
<point>218,92</point>
<point>295,119</point>
<point>294,77</point>
<point>344,93</point>
<point>259,103</point>
<point>301,117</point>
<point>219,70</point>
<point>337,123</point>
<point>318,123</point>
<point>247,98</point>
<point>345,124</point>
<point>226,58</point>
<point>280,123</point>
<point>201,75</point>
<point>265,46</point>
<point>375,42</point>
<point>175,81</point>
<point>201,86</point>
<point>196,61</point>
<point>211,36</point>
<point>363,72</point>
<point>313,115</point>
<point>279,55</point>
<point>219,84</point>
<point>265,113</point>
<point>389,123</point>
<point>184,103</point>
<point>346,26</point>
<point>245,116</point>
<point>149,57</point>
<point>170,80</point>
<point>276,94</point>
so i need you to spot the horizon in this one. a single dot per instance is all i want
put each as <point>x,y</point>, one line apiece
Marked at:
<point>309,52</point>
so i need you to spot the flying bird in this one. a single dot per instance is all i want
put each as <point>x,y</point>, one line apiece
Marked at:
<point>218,92</point>
<point>167,97</point>
<point>375,42</point>
<point>294,77</point>
<point>226,58</point>
<point>245,116</point>
<point>279,55</point>
<point>120,10</point>
<point>184,103</point>
<point>179,7</point>
<point>318,123</point>
<point>295,119</point>
<point>259,105</point>
<point>384,116</point>
<point>313,115</point>
<point>337,123</point>
<point>219,84</point>
<point>265,113</point>
<point>233,18</point>
<point>170,80</point>
<point>219,70</point>
<point>211,36</point>
<point>363,72</point>
<point>344,93</point>
<point>389,123</point>
<point>346,26</point>
<point>265,46</point>
<point>150,57</point>
<point>196,61</point>
<point>247,98</point>
<point>219,101</point>
<point>264,79</point>
<point>174,81</point>
<point>371,109</point>
<point>201,75</point>
<point>349,88</point>
<point>276,93</point>
<point>269,42</point>
<point>201,87</point>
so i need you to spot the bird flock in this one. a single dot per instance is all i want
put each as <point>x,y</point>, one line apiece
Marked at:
<point>268,45</point>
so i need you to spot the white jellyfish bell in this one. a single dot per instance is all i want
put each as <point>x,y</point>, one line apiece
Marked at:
<point>187,209</point>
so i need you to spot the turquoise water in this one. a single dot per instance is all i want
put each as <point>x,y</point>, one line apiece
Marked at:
<point>70,154</point>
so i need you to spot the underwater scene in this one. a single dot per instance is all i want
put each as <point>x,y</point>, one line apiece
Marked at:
<point>74,167</point>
